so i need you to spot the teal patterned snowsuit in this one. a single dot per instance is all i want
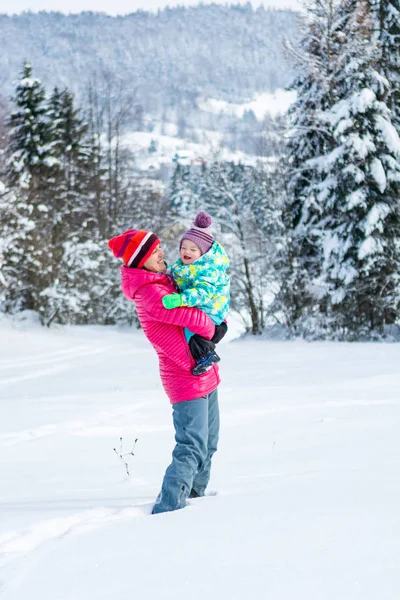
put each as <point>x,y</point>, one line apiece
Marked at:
<point>205,283</point>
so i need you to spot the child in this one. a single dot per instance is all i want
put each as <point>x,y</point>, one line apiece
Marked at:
<point>201,276</point>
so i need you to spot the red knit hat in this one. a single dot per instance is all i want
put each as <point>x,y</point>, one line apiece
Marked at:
<point>133,246</point>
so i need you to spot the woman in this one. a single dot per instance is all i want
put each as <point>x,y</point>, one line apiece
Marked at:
<point>194,399</point>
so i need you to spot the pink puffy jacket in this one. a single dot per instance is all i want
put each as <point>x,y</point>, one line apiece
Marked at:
<point>164,329</point>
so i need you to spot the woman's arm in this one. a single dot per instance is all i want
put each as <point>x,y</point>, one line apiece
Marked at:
<point>192,318</point>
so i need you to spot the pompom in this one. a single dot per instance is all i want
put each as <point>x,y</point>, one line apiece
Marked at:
<point>202,220</point>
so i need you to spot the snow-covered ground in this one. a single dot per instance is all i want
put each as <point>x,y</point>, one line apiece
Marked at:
<point>307,472</point>
<point>162,145</point>
<point>266,103</point>
<point>168,148</point>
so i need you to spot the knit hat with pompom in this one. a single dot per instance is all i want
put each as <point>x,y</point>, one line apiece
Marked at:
<point>134,247</point>
<point>200,233</point>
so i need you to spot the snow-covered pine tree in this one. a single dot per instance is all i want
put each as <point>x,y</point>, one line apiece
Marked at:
<point>360,188</point>
<point>387,15</point>
<point>58,209</point>
<point>74,224</point>
<point>87,286</point>
<point>30,136</point>
<point>27,221</point>
<point>180,190</point>
<point>72,148</point>
<point>309,137</point>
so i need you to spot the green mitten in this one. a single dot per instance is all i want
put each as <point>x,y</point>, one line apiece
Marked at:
<point>172,300</point>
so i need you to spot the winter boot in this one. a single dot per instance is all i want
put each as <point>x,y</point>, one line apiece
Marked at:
<point>194,494</point>
<point>206,363</point>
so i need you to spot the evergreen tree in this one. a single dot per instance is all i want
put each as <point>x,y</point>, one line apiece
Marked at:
<point>30,137</point>
<point>71,146</point>
<point>387,14</point>
<point>70,140</point>
<point>65,196</point>
<point>360,188</point>
<point>180,191</point>
<point>309,137</point>
<point>73,222</point>
<point>27,222</point>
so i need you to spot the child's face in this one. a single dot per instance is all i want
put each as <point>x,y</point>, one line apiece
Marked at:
<point>189,252</point>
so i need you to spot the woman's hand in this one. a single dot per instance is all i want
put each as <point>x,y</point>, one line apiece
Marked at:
<point>172,300</point>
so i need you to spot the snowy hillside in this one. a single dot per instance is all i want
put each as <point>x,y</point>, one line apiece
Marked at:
<point>267,103</point>
<point>161,148</point>
<point>170,57</point>
<point>157,71</point>
<point>306,473</point>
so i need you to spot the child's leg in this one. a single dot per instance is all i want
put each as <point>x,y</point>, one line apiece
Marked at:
<point>203,351</point>
<point>200,347</point>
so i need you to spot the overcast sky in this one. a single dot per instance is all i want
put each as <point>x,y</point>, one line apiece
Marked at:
<point>121,6</point>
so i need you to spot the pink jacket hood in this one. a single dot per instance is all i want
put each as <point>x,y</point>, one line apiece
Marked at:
<point>164,330</point>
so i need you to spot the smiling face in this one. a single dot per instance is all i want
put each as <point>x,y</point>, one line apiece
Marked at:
<point>189,252</point>
<point>155,261</point>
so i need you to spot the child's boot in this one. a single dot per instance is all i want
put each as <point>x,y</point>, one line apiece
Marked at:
<point>206,363</point>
